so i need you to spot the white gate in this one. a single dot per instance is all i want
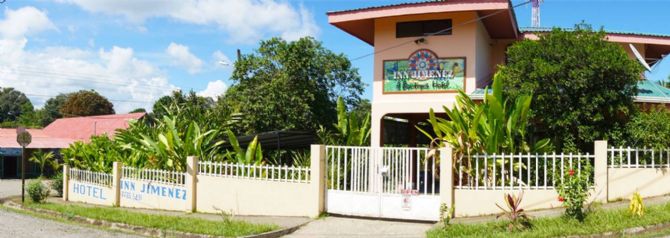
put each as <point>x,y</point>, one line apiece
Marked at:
<point>399,183</point>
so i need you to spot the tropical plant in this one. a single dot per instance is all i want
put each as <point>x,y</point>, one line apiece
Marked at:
<point>518,219</point>
<point>636,206</point>
<point>97,155</point>
<point>57,184</point>
<point>352,128</point>
<point>44,159</point>
<point>573,190</point>
<point>494,126</point>
<point>649,128</point>
<point>253,154</point>
<point>37,191</point>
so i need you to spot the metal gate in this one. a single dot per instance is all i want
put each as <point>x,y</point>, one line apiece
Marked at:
<point>399,183</point>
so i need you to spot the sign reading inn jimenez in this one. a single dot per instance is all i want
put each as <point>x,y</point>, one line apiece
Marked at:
<point>424,72</point>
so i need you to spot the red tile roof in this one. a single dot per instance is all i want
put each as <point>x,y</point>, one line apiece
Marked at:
<point>62,132</point>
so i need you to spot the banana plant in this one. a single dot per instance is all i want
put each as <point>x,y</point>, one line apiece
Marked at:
<point>352,129</point>
<point>253,154</point>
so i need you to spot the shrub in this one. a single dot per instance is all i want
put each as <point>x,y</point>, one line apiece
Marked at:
<point>573,191</point>
<point>57,184</point>
<point>518,220</point>
<point>445,214</point>
<point>636,206</point>
<point>37,191</point>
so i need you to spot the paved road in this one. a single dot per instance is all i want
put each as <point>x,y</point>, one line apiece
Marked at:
<point>351,227</point>
<point>19,225</point>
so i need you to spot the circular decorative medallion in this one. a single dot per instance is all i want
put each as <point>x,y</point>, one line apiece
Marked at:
<point>423,60</point>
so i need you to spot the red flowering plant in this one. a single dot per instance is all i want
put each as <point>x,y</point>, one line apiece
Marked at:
<point>573,190</point>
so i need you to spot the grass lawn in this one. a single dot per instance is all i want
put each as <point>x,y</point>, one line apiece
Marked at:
<point>599,221</point>
<point>230,228</point>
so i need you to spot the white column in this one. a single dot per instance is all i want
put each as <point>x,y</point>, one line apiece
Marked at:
<point>191,183</point>
<point>66,181</point>
<point>447,176</point>
<point>318,178</point>
<point>116,183</point>
<point>600,171</point>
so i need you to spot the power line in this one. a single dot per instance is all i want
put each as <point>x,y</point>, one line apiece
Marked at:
<point>113,100</point>
<point>74,77</point>
<point>440,31</point>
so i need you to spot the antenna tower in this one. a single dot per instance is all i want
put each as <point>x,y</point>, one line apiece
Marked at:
<point>536,13</point>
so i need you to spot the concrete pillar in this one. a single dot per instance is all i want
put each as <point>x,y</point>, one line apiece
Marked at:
<point>447,176</point>
<point>116,183</point>
<point>318,178</point>
<point>191,183</point>
<point>600,171</point>
<point>376,128</point>
<point>66,181</point>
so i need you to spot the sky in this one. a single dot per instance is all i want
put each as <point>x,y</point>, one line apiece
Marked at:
<point>134,52</point>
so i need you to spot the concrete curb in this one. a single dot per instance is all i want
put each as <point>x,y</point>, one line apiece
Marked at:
<point>145,231</point>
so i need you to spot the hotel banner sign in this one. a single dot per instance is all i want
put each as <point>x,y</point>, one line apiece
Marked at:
<point>424,72</point>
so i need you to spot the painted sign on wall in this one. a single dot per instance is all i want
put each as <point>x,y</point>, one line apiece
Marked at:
<point>135,191</point>
<point>89,190</point>
<point>424,72</point>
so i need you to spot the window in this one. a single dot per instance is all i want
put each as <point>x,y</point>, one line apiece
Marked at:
<point>422,28</point>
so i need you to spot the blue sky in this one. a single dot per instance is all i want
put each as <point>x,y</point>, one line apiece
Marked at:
<point>136,51</point>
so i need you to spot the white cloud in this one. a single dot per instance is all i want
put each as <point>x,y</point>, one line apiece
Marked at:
<point>24,21</point>
<point>42,73</point>
<point>243,20</point>
<point>214,89</point>
<point>182,56</point>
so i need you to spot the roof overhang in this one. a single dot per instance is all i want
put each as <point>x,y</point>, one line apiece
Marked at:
<point>644,99</point>
<point>360,22</point>
<point>655,46</point>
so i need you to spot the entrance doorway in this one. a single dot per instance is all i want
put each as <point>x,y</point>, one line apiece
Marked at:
<point>10,167</point>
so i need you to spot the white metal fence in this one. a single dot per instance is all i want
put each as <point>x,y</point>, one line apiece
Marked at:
<point>519,171</point>
<point>87,176</point>
<point>626,157</point>
<point>263,172</point>
<point>382,169</point>
<point>154,175</point>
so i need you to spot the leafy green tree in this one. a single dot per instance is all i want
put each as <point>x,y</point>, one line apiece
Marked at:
<point>649,129</point>
<point>13,104</point>
<point>51,109</point>
<point>289,85</point>
<point>86,103</point>
<point>136,110</point>
<point>583,85</point>
<point>196,107</point>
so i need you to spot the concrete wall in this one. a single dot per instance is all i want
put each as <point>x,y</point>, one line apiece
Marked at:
<point>90,193</point>
<point>256,197</point>
<point>204,193</point>
<point>151,195</point>
<point>649,182</point>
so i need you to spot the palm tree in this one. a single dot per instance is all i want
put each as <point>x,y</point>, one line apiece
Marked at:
<point>44,159</point>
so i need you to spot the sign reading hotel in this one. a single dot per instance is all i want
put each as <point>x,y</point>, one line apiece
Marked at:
<point>424,72</point>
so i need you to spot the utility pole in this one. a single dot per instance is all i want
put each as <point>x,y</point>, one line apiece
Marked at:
<point>536,13</point>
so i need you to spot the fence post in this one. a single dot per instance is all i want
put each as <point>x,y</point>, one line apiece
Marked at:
<point>116,183</point>
<point>318,177</point>
<point>447,177</point>
<point>600,171</point>
<point>66,180</point>
<point>191,183</point>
